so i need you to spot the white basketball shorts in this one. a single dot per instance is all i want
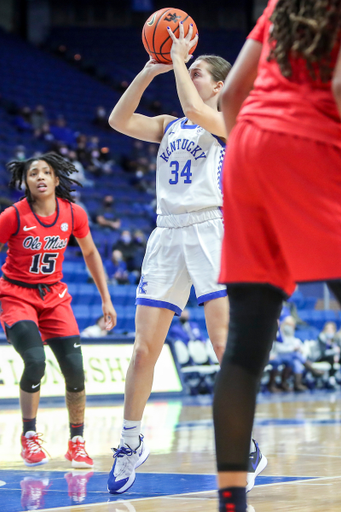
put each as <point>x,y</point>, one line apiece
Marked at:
<point>175,259</point>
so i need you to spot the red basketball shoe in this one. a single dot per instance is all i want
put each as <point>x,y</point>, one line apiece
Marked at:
<point>32,452</point>
<point>32,492</point>
<point>77,454</point>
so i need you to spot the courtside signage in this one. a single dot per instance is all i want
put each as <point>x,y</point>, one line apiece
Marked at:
<point>105,369</point>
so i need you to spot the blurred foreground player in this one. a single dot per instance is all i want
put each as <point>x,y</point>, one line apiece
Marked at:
<point>282,210</point>
<point>35,304</point>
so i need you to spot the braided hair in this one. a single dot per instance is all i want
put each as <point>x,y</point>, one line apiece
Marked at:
<point>305,29</point>
<point>62,170</point>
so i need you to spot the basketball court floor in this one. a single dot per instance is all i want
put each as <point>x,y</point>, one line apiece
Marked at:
<point>299,434</point>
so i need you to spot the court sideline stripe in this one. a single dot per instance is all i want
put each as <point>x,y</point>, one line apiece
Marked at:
<point>90,506</point>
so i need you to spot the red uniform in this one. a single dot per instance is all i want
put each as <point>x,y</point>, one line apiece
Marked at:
<point>282,178</point>
<point>36,247</point>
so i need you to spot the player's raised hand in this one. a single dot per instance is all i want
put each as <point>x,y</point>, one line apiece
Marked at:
<point>157,68</point>
<point>183,44</point>
<point>110,315</point>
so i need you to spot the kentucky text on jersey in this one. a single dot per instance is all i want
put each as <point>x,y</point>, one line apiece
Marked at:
<point>183,144</point>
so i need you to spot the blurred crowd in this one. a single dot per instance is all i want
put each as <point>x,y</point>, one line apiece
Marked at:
<point>296,365</point>
<point>93,160</point>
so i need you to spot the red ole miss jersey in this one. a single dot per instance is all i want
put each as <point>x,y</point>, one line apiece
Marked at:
<point>297,105</point>
<point>36,244</point>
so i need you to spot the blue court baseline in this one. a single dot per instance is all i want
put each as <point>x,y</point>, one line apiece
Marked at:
<point>51,490</point>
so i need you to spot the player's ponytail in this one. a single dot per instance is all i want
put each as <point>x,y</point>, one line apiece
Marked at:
<point>62,169</point>
<point>305,29</point>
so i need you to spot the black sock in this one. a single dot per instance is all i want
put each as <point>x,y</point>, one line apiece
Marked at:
<point>76,430</point>
<point>232,499</point>
<point>28,425</point>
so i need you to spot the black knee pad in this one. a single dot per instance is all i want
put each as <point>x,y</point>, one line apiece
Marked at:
<point>69,356</point>
<point>26,340</point>
<point>254,311</point>
<point>34,360</point>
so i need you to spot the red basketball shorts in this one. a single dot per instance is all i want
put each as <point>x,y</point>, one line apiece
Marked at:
<point>53,315</point>
<point>282,209</point>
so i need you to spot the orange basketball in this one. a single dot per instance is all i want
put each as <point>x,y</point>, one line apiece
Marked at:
<point>155,37</point>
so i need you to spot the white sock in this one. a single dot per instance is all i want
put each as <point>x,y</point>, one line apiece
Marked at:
<point>130,433</point>
<point>252,446</point>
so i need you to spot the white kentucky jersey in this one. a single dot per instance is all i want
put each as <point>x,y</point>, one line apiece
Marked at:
<point>189,166</point>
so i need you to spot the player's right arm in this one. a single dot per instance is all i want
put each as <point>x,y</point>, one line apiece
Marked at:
<point>8,225</point>
<point>336,83</point>
<point>123,117</point>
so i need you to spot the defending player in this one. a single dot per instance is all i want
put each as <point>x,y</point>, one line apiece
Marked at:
<point>282,210</point>
<point>185,247</point>
<point>35,304</point>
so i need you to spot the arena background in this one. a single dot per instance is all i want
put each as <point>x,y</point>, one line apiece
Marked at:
<point>75,58</point>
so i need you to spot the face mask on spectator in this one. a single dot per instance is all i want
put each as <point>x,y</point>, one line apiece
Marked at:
<point>20,155</point>
<point>329,335</point>
<point>126,239</point>
<point>288,330</point>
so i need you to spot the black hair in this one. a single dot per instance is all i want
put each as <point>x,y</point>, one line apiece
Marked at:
<point>61,167</point>
<point>307,29</point>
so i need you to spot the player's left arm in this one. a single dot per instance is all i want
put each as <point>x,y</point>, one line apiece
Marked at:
<point>240,81</point>
<point>94,263</point>
<point>192,105</point>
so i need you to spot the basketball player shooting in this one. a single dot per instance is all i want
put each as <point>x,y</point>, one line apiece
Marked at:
<point>185,247</point>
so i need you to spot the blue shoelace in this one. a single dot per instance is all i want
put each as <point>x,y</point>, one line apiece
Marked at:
<point>122,450</point>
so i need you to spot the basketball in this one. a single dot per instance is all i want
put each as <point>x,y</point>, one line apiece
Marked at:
<point>155,36</point>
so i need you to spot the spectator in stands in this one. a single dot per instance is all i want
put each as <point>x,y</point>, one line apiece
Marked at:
<point>97,330</point>
<point>62,132</point>
<point>140,242</point>
<point>95,164</point>
<point>127,246</point>
<point>184,329</point>
<point>72,157</point>
<point>93,143</point>
<point>101,118</point>
<point>116,268</point>
<point>106,216</point>
<point>137,159</point>
<point>23,121</point>
<point>288,351</point>
<point>46,135</point>
<point>107,161</point>
<point>20,153</point>
<point>152,153</point>
<point>77,196</point>
<point>329,350</point>
<point>139,181</point>
<point>38,120</point>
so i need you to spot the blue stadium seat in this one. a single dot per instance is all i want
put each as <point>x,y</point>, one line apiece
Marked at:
<point>123,295</point>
